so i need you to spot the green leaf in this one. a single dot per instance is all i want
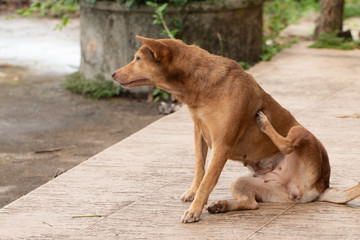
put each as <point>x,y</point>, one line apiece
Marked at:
<point>152,4</point>
<point>20,11</point>
<point>164,95</point>
<point>58,27</point>
<point>174,32</point>
<point>65,20</point>
<point>245,65</point>
<point>156,91</point>
<point>161,9</point>
<point>157,21</point>
<point>35,5</point>
<point>164,32</point>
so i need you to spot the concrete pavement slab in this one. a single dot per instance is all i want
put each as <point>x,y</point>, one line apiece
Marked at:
<point>132,190</point>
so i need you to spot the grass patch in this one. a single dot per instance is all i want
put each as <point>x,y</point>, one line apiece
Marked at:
<point>96,88</point>
<point>332,41</point>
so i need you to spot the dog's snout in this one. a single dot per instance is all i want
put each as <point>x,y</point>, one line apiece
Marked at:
<point>113,74</point>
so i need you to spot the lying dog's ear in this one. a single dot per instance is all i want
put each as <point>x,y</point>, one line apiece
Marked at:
<point>156,47</point>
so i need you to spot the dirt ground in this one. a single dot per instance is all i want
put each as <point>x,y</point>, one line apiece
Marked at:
<point>37,114</point>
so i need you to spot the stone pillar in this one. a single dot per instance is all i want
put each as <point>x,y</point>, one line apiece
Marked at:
<point>231,28</point>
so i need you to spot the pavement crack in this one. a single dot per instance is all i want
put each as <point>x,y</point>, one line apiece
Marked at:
<point>272,220</point>
<point>104,217</point>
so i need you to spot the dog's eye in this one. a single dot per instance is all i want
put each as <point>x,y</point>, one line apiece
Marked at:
<point>137,58</point>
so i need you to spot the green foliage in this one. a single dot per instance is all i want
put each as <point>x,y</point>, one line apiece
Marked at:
<point>64,8</point>
<point>281,13</point>
<point>271,48</point>
<point>96,88</point>
<point>278,15</point>
<point>160,94</point>
<point>332,41</point>
<point>54,8</point>
<point>245,65</point>
<point>160,11</point>
<point>351,8</point>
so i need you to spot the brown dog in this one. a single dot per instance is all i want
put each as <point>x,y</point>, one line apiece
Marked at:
<point>238,120</point>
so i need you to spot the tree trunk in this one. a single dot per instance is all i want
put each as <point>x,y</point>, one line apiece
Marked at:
<point>331,17</point>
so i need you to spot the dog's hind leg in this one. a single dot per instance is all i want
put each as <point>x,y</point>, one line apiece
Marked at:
<point>243,194</point>
<point>222,206</point>
<point>285,144</point>
<point>246,192</point>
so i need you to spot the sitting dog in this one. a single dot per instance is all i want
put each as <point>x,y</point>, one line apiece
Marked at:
<point>238,120</point>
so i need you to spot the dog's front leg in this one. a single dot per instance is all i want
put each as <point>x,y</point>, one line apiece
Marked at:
<point>200,158</point>
<point>207,185</point>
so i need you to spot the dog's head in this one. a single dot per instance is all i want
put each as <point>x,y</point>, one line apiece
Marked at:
<point>151,64</point>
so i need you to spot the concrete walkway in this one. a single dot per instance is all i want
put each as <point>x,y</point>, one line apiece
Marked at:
<point>132,190</point>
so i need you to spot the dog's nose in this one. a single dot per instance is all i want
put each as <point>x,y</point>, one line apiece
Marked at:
<point>113,74</point>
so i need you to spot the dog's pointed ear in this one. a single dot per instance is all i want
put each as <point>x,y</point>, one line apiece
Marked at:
<point>156,47</point>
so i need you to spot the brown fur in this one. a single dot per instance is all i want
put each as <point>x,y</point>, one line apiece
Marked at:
<point>238,120</point>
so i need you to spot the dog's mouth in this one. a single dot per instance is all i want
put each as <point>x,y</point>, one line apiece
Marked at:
<point>136,83</point>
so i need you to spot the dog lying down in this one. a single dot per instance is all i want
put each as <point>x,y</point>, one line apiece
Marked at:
<point>238,120</point>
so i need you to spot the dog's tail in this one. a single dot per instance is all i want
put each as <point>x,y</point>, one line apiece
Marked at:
<point>334,195</point>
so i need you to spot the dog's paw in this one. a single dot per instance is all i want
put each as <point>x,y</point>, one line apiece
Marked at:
<point>287,149</point>
<point>261,120</point>
<point>218,207</point>
<point>188,196</point>
<point>190,216</point>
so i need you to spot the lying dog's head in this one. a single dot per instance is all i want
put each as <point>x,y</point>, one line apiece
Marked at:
<point>151,64</point>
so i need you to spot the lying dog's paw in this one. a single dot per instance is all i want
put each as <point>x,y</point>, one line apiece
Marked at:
<point>218,207</point>
<point>190,216</point>
<point>261,119</point>
<point>188,196</point>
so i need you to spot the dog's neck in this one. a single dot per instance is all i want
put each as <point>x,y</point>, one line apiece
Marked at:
<point>198,89</point>
<point>185,95</point>
<point>188,94</point>
<point>195,76</point>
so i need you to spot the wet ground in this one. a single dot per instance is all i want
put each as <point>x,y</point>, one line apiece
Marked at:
<point>43,127</point>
